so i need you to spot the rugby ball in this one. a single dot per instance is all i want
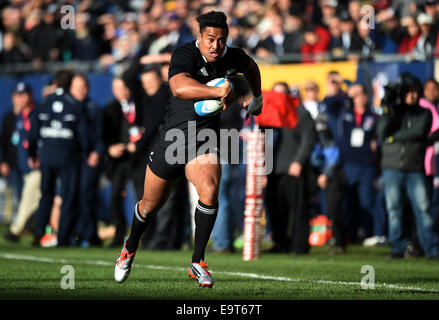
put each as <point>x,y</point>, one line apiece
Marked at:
<point>210,107</point>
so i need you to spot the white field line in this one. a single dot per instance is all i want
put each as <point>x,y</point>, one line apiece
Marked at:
<point>238,274</point>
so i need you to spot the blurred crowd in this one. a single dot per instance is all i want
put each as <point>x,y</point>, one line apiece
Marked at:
<point>275,31</point>
<point>368,166</point>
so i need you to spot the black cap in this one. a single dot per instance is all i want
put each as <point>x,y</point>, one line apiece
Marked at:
<point>22,87</point>
<point>430,2</point>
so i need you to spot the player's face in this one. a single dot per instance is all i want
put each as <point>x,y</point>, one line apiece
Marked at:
<point>212,43</point>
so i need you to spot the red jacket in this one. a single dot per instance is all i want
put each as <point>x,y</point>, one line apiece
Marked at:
<point>320,47</point>
<point>408,43</point>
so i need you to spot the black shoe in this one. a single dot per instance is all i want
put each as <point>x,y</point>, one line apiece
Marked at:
<point>337,250</point>
<point>434,257</point>
<point>276,249</point>
<point>225,251</point>
<point>36,242</point>
<point>395,255</point>
<point>411,252</point>
<point>298,253</point>
<point>9,236</point>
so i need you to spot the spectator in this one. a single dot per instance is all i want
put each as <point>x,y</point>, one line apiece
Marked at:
<point>177,33</point>
<point>33,36</point>
<point>11,19</point>
<point>351,40</point>
<point>91,166</point>
<point>168,231</point>
<point>315,44</point>
<point>53,36</point>
<point>430,101</point>
<point>122,126</point>
<point>10,168</point>
<point>60,126</point>
<point>335,44</point>
<point>109,34</point>
<point>405,8</point>
<point>390,31</point>
<point>19,122</point>
<point>147,30</point>
<point>235,39</point>
<point>430,7</point>
<point>425,46</point>
<point>152,93</point>
<point>287,190</point>
<point>336,99</point>
<point>11,52</point>
<point>411,36</point>
<point>229,221</point>
<point>329,11</point>
<point>278,41</point>
<point>327,174</point>
<point>311,98</point>
<point>403,153</point>
<point>354,10</point>
<point>369,41</point>
<point>358,147</point>
<point>85,46</point>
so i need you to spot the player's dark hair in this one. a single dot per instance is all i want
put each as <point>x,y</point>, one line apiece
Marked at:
<point>63,79</point>
<point>214,19</point>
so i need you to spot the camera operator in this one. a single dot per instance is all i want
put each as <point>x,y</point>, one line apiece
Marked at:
<point>403,129</point>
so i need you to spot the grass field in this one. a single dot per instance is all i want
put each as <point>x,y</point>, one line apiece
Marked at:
<point>36,273</point>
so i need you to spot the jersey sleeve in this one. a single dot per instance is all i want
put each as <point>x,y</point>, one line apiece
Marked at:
<point>183,60</point>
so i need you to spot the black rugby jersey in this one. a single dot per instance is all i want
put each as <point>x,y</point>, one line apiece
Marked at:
<point>188,59</point>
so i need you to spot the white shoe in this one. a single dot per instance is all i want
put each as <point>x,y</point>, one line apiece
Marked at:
<point>122,268</point>
<point>374,241</point>
<point>199,272</point>
<point>382,240</point>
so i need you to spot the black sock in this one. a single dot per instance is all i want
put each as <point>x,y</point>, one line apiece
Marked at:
<point>205,217</point>
<point>138,227</point>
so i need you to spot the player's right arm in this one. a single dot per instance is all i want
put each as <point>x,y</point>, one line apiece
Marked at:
<point>183,86</point>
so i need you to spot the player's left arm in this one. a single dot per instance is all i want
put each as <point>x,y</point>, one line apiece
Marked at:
<point>253,76</point>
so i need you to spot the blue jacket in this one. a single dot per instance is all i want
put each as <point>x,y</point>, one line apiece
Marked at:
<point>326,154</point>
<point>346,124</point>
<point>333,106</point>
<point>58,132</point>
<point>325,159</point>
<point>94,127</point>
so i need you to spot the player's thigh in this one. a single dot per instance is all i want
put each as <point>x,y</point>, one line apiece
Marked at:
<point>204,172</point>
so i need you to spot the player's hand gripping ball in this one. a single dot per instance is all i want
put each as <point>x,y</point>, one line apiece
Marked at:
<point>214,106</point>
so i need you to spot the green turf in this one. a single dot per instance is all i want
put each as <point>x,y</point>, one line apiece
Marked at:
<point>162,275</point>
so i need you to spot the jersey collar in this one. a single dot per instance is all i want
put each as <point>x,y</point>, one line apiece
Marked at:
<point>205,60</point>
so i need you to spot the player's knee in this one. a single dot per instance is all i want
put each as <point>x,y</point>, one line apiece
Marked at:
<point>208,192</point>
<point>147,208</point>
